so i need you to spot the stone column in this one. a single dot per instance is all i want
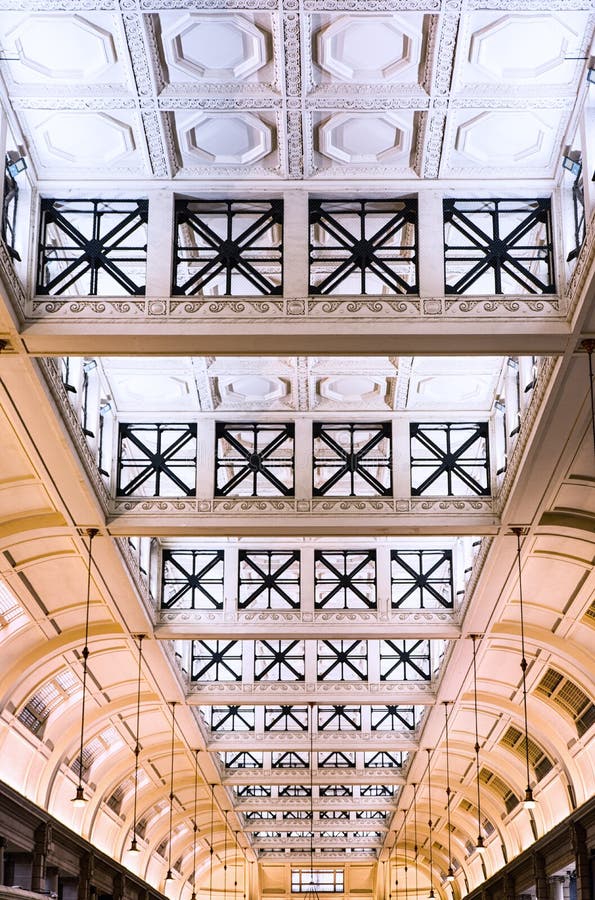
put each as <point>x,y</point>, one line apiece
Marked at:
<point>86,871</point>
<point>41,848</point>
<point>508,888</point>
<point>541,885</point>
<point>2,849</point>
<point>578,839</point>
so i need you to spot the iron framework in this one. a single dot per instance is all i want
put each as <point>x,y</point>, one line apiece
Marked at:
<point>498,246</point>
<point>92,247</point>
<point>10,202</point>
<point>450,459</point>
<point>286,718</point>
<point>294,790</point>
<point>421,579</point>
<point>393,718</point>
<point>339,718</point>
<point>230,247</point>
<point>352,460</point>
<point>345,579</point>
<point>192,579</point>
<point>254,459</point>
<point>289,759</point>
<point>216,661</point>
<point>337,759</point>
<point>383,760</point>
<point>405,660</point>
<point>335,790</point>
<point>342,661</point>
<point>243,759</point>
<point>269,579</point>
<point>157,460</point>
<point>231,718</point>
<point>578,214</point>
<point>279,661</point>
<point>363,246</point>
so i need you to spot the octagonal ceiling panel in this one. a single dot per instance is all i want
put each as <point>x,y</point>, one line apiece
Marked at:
<point>97,142</point>
<point>152,384</point>
<point>63,48</point>
<point>225,139</point>
<point>362,138</point>
<point>520,48</point>
<point>216,47</point>
<point>459,382</point>
<point>368,48</point>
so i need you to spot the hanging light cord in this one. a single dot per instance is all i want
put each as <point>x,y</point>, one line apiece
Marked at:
<point>85,654</point>
<point>405,849</point>
<point>479,835</point>
<point>450,872</point>
<point>414,786</point>
<point>137,745</point>
<point>171,788</point>
<point>528,792</point>
<point>225,859</point>
<point>430,825</point>
<point>195,827</point>
<point>211,850</point>
<point>235,868</point>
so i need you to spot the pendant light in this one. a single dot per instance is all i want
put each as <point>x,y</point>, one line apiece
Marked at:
<point>450,875</point>
<point>134,848</point>
<point>480,846</point>
<point>195,827</point>
<point>169,877</point>
<point>79,798</point>
<point>529,801</point>
<point>431,895</point>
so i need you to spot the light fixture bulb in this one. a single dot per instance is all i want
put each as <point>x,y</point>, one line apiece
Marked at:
<point>529,802</point>
<point>480,846</point>
<point>450,875</point>
<point>79,800</point>
<point>431,895</point>
<point>169,877</point>
<point>134,848</point>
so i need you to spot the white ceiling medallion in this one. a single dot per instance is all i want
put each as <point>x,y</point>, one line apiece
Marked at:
<point>251,389</point>
<point>365,138</point>
<point>86,138</point>
<point>505,138</point>
<point>217,47</point>
<point>236,138</point>
<point>367,48</point>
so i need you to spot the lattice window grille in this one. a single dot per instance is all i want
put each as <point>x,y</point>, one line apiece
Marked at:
<point>254,459</point>
<point>335,790</point>
<point>578,216</point>
<point>157,460</point>
<point>10,202</point>
<point>252,790</point>
<point>336,759</point>
<point>295,790</point>
<point>371,814</point>
<point>228,247</point>
<point>377,790</point>
<point>363,246</point>
<point>339,718</point>
<point>279,661</point>
<point>333,814</point>
<point>342,661</point>
<point>297,815</point>
<point>269,579</point>
<point>449,459</point>
<point>383,759</point>
<point>422,579</point>
<point>192,579</point>
<point>405,660</point>
<point>216,661</point>
<point>242,759</point>
<point>92,247</point>
<point>345,579</point>
<point>231,718</point>
<point>498,247</point>
<point>352,460</point>
<point>393,718</point>
<point>290,760</point>
<point>286,718</point>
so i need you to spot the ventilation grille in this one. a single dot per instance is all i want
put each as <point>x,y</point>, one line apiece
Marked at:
<point>514,740</point>
<point>569,697</point>
<point>496,784</point>
<point>589,616</point>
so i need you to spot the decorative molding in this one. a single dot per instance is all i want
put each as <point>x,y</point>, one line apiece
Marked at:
<point>325,740</point>
<point>422,618</point>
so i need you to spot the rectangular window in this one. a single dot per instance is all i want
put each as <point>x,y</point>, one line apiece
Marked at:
<point>322,881</point>
<point>352,460</point>
<point>254,459</point>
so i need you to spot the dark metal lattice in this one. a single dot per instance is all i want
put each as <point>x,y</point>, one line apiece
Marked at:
<point>578,214</point>
<point>216,661</point>
<point>295,790</point>
<point>92,247</point>
<point>333,814</point>
<point>289,759</point>
<point>392,718</point>
<point>297,815</point>
<point>242,759</point>
<point>232,718</point>
<point>157,460</point>
<point>10,202</point>
<point>371,814</point>
<point>229,247</point>
<point>257,816</point>
<point>498,247</point>
<point>421,579</point>
<point>405,660</point>
<point>383,760</point>
<point>252,790</point>
<point>335,790</point>
<point>279,661</point>
<point>286,718</point>
<point>254,459</point>
<point>352,460</point>
<point>339,718</point>
<point>192,579</point>
<point>450,459</point>
<point>377,790</point>
<point>342,661</point>
<point>337,759</point>
<point>269,579</point>
<point>363,246</point>
<point>345,579</point>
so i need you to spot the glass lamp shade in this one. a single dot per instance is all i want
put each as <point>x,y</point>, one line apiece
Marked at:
<point>480,846</point>
<point>529,802</point>
<point>79,800</point>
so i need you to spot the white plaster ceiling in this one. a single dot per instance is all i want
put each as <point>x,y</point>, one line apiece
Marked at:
<point>427,90</point>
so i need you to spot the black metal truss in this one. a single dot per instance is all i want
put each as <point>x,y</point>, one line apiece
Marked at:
<point>286,718</point>
<point>339,718</point>
<point>504,246</point>
<point>342,661</point>
<point>157,460</point>
<point>352,459</point>
<point>373,240</point>
<point>337,759</point>
<point>252,790</point>
<point>421,579</point>
<point>269,579</point>
<point>333,814</point>
<point>377,790</point>
<point>383,759</point>
<point>94,247</point>
<point>371,814</point>
<point>231,718</point>
<point>578,215</point>
<point>405,660</point>
<point>257,816</point>
<point>279,661</point>
<point>345,579</point>
<point>242,759</point>
<point>254,459</point>
<point>335,790</point>
<point>192,579</point>
<point>10,203</point>
<point>235,246</point>
<point>294,790</point>
<point>216,660</point>
<point>295,814</point>
<point>392,718</point>
<point>289,759</point>
<point>451,458</point>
